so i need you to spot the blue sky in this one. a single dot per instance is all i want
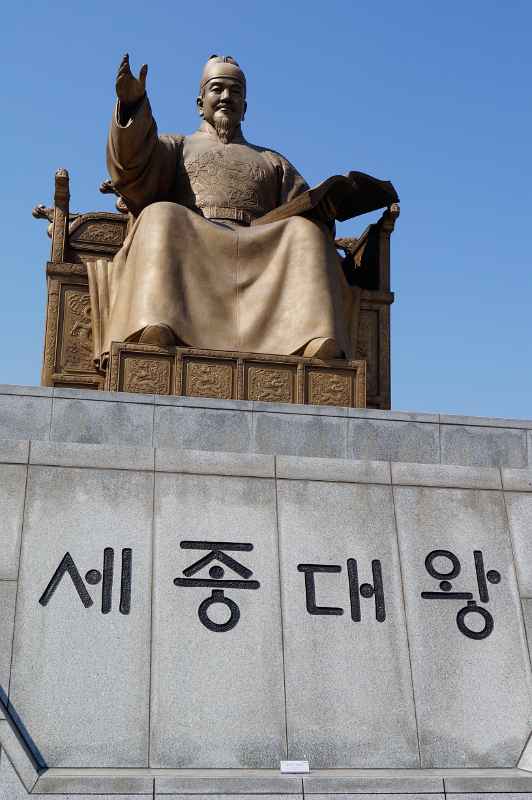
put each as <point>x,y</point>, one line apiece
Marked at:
<point>434,96</point>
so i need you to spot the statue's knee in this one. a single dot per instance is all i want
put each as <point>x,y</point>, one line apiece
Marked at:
<point>157,210</point>
<point>161,216</point>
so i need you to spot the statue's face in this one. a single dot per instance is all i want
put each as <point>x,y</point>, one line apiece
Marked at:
<point>222,98</point>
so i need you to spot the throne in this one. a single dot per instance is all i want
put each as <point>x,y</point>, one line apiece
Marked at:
<point>78,238</point>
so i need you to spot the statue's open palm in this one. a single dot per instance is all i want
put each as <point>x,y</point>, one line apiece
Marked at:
<point>130,90</point>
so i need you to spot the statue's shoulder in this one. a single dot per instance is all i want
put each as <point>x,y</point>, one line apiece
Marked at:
<point>172,140</point>
<point>273,155</point>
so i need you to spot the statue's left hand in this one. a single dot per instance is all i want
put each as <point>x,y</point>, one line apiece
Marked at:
<point>130,90</point>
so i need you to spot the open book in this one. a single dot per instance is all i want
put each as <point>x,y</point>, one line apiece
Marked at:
<point>340,197</point>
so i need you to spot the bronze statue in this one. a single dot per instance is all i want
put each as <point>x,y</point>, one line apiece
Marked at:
<point>197,268</point>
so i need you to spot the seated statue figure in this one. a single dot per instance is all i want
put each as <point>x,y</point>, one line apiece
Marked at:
<point>195,270</point>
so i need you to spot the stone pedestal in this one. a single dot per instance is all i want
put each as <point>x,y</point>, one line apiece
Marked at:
<point>224,375</point>
<point>175,620</point>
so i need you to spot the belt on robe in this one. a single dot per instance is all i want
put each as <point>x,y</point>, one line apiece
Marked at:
<point>234,214</point>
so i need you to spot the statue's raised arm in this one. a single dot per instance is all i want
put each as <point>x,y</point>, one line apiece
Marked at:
<point>129,90</point>
<point>141,164</point>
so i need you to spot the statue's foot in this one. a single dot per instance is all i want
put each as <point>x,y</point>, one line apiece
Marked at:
<point>160,335</point>
<point>322,348</point>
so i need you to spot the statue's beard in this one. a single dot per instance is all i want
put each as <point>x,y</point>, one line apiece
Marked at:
<point>224,128</point>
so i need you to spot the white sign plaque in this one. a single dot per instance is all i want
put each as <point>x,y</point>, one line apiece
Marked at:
<point>295,766</point>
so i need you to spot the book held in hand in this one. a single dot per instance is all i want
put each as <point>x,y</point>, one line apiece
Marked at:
<point>340,197</point>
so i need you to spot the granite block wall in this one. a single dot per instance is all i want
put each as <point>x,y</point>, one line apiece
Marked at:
<point>190,586</point>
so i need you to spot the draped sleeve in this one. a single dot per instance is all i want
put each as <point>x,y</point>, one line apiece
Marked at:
<point>291,183</point>
<point>142,164</point>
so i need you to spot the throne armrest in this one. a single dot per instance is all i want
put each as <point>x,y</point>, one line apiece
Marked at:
<point>366,262</point>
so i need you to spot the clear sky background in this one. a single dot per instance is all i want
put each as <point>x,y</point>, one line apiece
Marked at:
<point>434,96</point>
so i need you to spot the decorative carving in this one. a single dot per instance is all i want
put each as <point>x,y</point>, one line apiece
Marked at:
<point>50,339</point>
<point>348,244</point>
<point>61,215</point>
<point>390,217</point>
<point>271,384</point>
<point>327,388</point>
<point>100,233</point>
<point>112,377</point>
<point>207,379</point>
<point>368,347</point>
<point>213,175</point>
<point>66,270</point>
<point>107,187</point>
<point>77,331</point>
<point>43,212</point>
<point>147,375</point>
<point>213,373</point>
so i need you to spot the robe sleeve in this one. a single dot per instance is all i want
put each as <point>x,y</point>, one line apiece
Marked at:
<point>142,164</point>
<point>291,182</point>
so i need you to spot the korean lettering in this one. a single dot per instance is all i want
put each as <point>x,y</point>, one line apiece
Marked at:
<point>445,577</point>
<point>218,552</point>
<point>356,589</point>
<point>93,577</point>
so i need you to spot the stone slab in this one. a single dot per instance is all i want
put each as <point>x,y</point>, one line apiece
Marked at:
<point>206,402</point>
<point>526,605</point>
<point>260,407</point>
<point>377,782</point>
<point>8,593</point>
<point>517,480</point>
<point>11,787</point>
<point>75,666</point>
<point>392,414</point>
<point>18,757</point>
<point>240,796</point>
<point>113,783</point>
<point>492,422</point>
<point>217,696</point>
<point>231,785</point>
<point>348,683</point>
<point>14,451</point>
<point>100,422</point>
<point>12,492</point>
<point>25,416</point>
<point>466,715</point>
<point>445,475</point>
<point>392,440</point>
<point>360,794</point>
<point>468,787</point>
<point>99,456</point>
<point>300,435</point>
<point>28,391</point>
<point>332,469</point>
<point>496,794</point>
<point>202,429</point>
<point>482,446</point>
<point>100,395</point>
<point>519,509</point>
<point>204,462</point>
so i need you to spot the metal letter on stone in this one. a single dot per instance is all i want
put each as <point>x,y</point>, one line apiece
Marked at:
<point>216,572</point>
<point>483,577</point>
<point>94,577</point>
<point>366,590</point>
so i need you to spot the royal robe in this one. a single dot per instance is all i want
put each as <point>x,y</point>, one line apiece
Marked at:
<point>191,260</point>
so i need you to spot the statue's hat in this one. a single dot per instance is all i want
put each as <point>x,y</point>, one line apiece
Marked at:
<point>222,67</point>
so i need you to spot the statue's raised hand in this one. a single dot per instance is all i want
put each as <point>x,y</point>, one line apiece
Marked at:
<point>130,90</point>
